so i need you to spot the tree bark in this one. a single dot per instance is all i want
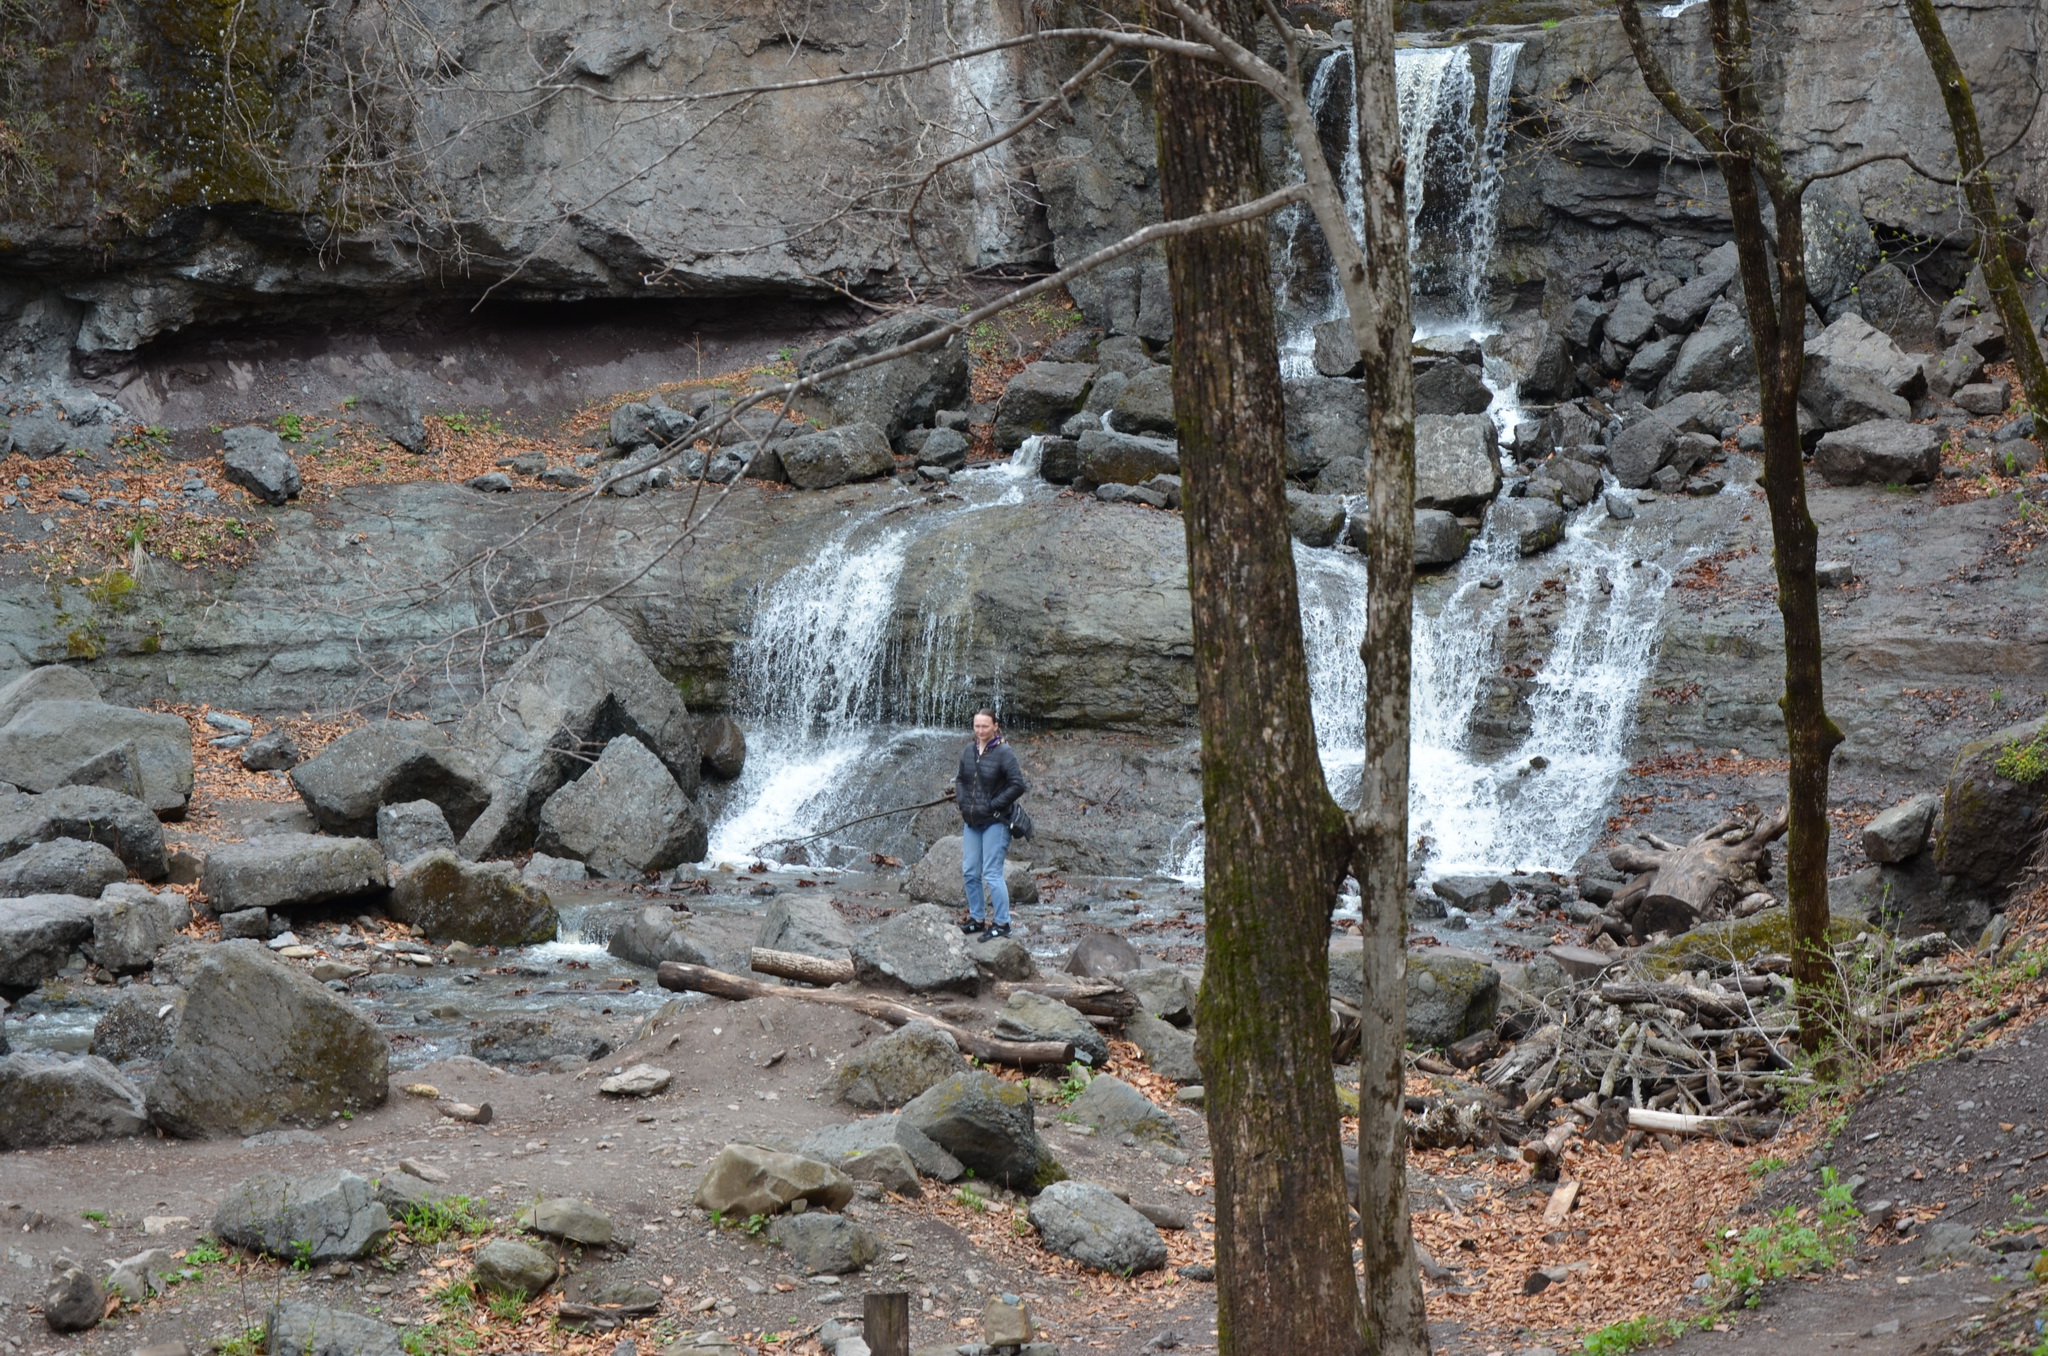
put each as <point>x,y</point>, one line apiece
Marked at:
<point>1277,843</point>
<point>1974,171</point>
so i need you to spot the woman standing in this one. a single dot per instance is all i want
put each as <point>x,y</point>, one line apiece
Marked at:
<point>988,785</point>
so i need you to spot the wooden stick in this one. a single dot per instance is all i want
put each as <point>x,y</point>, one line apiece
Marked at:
<point>1679,1123</point>
<point>795,965</point>
<point>1092,997</point>
<point>681,978</point>
<point>1561,1202</point>
<point>861,819</point>
<point>463,1111</point>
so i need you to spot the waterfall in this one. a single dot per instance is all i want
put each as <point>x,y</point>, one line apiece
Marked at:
<point>1482,204</point>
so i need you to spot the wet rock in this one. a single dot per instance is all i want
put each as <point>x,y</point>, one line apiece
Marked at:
<point>1449,996</point>
<point>807,925</point>
<point>894,1069</point>
<point>291,870</point>
<point>747,1179</point>
<point>389,763</point>
<point>531,1038</point>
<point>1102,954</point>
<point>1578,483</point>
<point>541,869</point>
<point>824,1245</point>
<point>724,746</point>
<point>1034,1017</point>
<point>1440,539</point>
<point>1646,445</point>
<point>1472,893</point>
<point>48,1100</point>
<point>261,1045</point>
<point>330,1216</point>
<point>1994,806</point>
<point>625,816</point>
<point>1900,832</point>
<point>1881,452</point>
<point>1108,458</point>
<point>481,903</point>
<point>1326,419</point>
<point>987,1124</point>
<point>1117,1109</point>
<point>840,1145</point>
<point>412,829</point>
<point>1534,525</point>
<point>1168,1049</point>
<point>1450,387</point>
<point>1039,400</point>
<point>571,1220</point>
<point>920,950</point>
<point>47,744</point>
<point>1344,476</point>
<point>654,935</point>
<point>273,752</point>
<point>140,1024</point>
<point>1003,958</point>
<point>256,460</point>
<point>73,1301</point>
<point>937,878</point>
<point>1146,404</point>
<point>61,866</point>
<point>1083,1221</point>
<point>505,1266</point>
<point>1165,991</point>
<point>304,1329</point>
<point>50,683</point>
<point>130,926</point>
<point>37,936</point>
<point>386,403</point>
<point>1457,462</point>
<point>1314,519</point>
<point>837,456</point>
<point>896,396</point>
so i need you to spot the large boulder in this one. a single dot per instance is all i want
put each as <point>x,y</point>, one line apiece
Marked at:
<point>1145,405</point>
<point>1450,387</point>
<point>1714,358</point>
<point>1852,343</point>
<point>584,684</point>
<point>1891,301</point>
<point>920,950</point>
<point>937,878</point>
<point>412,829</point>
<point>1686,305</point>
<point>807,925</point>
<point>261,1045</point>
<point>140,1024</point>
<point>1450,996</point>
<point>625,816</point>
<point>1533,525</point>
<point>893,1070</point>
<point>61,866</point>
<point>747,1179</point>
<point>839,1144</point>
<point>387,404</point>
<point>654,935</point>
<point>824,1245</point>
<point>507,1266</point>
<point>1646,445</point>
<point>988,1125</point>
<point>331,1216</point>
<point>1843,397</point>
<point>1880,452</point>
<point>1031,1016</point>
<point>483,904</point>
<point>388,763</point>
<point>1314,519</point>
<point>1326,419</point>
<point>1039,400</point>
<point>1167,1048</point>
<point>534,1038</point>
<point>724,748</point>
<point>47,1100</point>
<point>302,1328</point>
<point>91,813</point>
<point>1912,899</point>
<point>48,744</point>
<point>1089,1224</point>
<point>130,926</point>
<point>1457,461</point>
<point>257,461</point>
<point>1898,834</point>
<point>291,870</point>
<point>51,683</point>
<point>898,395</point>
<point>1165,991</point>
<point>1994,806</point>
<point>38,935</point>
<point>1110,458</point>
<point>836,456</point>
<point>1118,1110</point>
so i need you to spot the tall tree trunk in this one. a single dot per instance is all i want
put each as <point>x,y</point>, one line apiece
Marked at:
<point>1393,1283</point>
<point>1982,197</point>
<point>1277,842</point>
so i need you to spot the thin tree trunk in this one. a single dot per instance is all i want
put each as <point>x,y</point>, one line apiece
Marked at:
<point>1277,843</point>
<point>1982,197</point>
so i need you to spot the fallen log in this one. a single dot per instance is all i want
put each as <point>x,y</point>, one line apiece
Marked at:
<point>1090,997</point>
<point>1545,1156</point>
<point>680,978</point>
<point>1701,1002</point>
<point>1738,1129</point>
<point>1713,875</point>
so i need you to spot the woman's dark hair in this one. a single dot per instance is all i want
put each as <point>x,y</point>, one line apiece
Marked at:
<point>998,720</point>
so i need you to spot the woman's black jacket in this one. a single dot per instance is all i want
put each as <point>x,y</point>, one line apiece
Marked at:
<point>989,783</point>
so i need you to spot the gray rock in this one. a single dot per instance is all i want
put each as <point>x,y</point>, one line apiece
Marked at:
<point>1059,459</point>
<point>330,1216</point>
<point>1715,358</point>
<point>130,926</point>
<point>1984,399</point>
<point>1146,404</point>
<point>1449,996</point>
<point>1326,419</point>
<point>1684,307</point>
<point>1843,397</point>
<point>306,1329</point>
<point>61,866</point>
<point>256,460</point>
<point>540,869</point>
<point>1990,822</point>
<point>1578,483</point>
<point>656,934</point>
<point>570,1220</point>
<point>531,1038</point>
<point>47,744</point>
<point>388,763</point>
<point>73,1301</point>
<point>1472,893</point>
<point>1632,320</point>
<point>262,1045</point>
<point>1168,1049</point>
<point>841,1145</point>
<point>641,424</point>
<point>249,923</point>
<point>150,1272</point>
<point>807,925</point>
<point>51,683</point>
<point>38,933</point>
<point>893,1070</point>
<point>919,950</point>
<point>1117,1109</point>
<point>1083,1221</point>
<point>1336,351</point>
<point>273,752</point>
<point>824,1245</point>
<point>1108,458</point>
<point>1344,476</point>
<point>1314,519</point>
<point>1165,991</point>
<point>1099,954</point>
<point>899,395</point>
<point>45,1100</point>
<point>1882,452</point>
<point>117,769</point>
<point>412,829</point>
<point>481,903</point>
<point>747,1179</point>
<point>291,870</point>
<point>937,878</point>
<point>140,1024</point>
<point>1450,387</point>
<point>987,1124</point>
<point>1833,574</point>
<point>1652,361</point>
<point>1039,400</point>
<point>625,816</point>
<point>637,1080</point>
<point>1912,899</point>
<point>1900,832</point>
<point>945,449</point>
<point>724,746</point>
<point>1949,371</point>
<point>1534,525</point>
<point>1457,462</point>
<point>1945,1244</point>
<point>1440,539</point>
<point>1130,494</point>
<point>1034,1017</point>
<point>1620,505</point>
<point>386,403</point>
<point>837,456</point>
<point>1647,443</point>
<point>1853,343</point>
<point>506,1266</point>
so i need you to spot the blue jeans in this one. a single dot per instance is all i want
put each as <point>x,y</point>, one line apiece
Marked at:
<point>981,863</point>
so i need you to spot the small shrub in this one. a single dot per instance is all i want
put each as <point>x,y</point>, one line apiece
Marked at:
<point>2024,763</point>
<point>430,1222</point>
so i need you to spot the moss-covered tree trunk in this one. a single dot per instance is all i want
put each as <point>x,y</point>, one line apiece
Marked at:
<point>1277,842</point>
<point>1982,196</point>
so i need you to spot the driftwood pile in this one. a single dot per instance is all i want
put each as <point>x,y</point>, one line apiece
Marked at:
<point>1674,887</point>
